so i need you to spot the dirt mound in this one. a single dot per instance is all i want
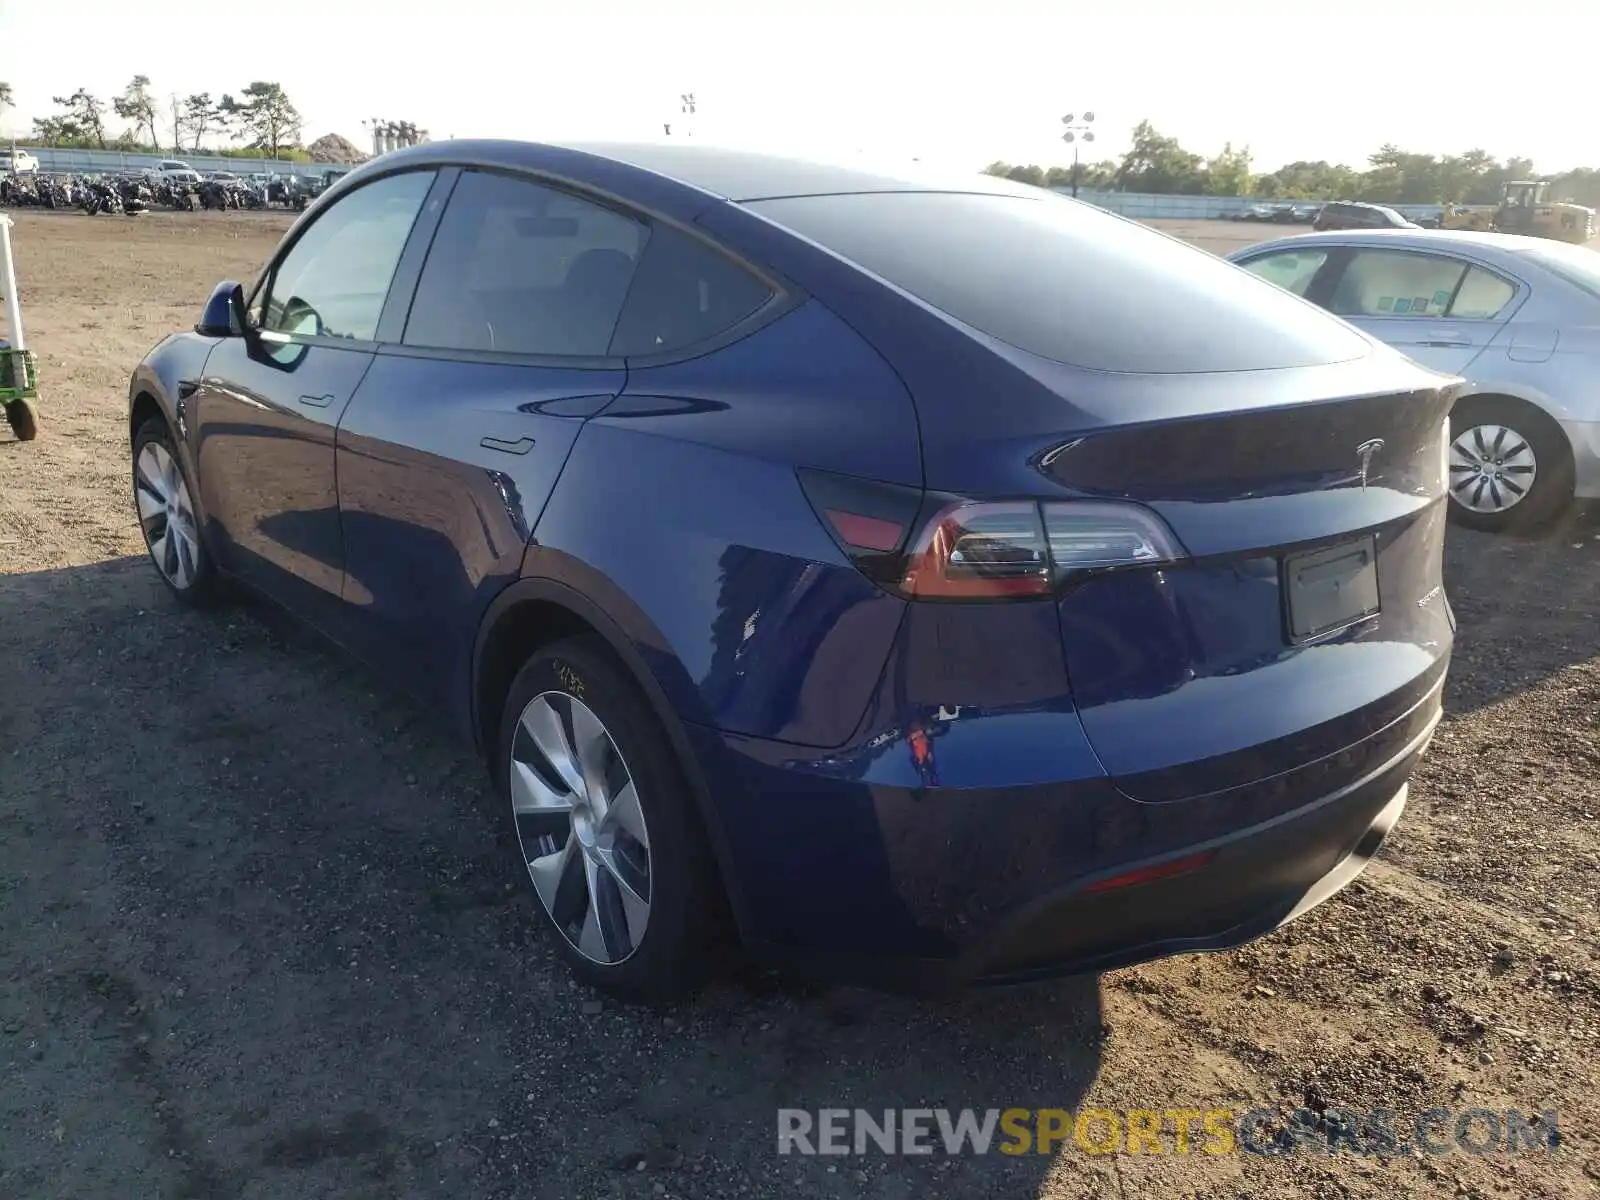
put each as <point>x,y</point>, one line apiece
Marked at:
<point>331,148</point>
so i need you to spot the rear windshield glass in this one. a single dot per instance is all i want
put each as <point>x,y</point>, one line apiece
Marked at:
<point>1071,283</point>
<point>1578,265</point>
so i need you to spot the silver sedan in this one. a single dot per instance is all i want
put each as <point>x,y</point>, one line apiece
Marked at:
<point>1517,317</point>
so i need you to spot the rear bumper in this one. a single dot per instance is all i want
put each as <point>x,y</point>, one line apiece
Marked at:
<point>908,934</point>
<point>1585,439</point>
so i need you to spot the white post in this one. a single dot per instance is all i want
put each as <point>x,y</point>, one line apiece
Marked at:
<point>8,286</point>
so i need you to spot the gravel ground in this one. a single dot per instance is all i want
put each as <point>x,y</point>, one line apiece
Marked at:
<point>263,937</point>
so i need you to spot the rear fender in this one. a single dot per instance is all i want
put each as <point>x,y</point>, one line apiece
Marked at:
<point>553,577</point>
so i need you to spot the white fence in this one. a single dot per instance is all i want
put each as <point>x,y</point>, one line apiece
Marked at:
<point>115,162</point>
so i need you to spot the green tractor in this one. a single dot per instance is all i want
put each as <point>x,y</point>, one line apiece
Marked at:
<point>19,381</point>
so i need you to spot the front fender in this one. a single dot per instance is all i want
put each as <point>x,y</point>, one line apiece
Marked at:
<point>167,375</point>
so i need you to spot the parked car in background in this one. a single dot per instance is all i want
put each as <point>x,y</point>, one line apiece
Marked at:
<point>1518,317</point>
<point>1272,214</point>
<point>947,579</point>
<point>174,170</point>
<point>18,162</point>
<point>1305,214</point>
<point>1349,214</point>
<point>225,177</point>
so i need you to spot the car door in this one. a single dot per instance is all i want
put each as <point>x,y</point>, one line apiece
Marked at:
<point>265,412</point>
<point>457,434</point>
<point>1435,307</point>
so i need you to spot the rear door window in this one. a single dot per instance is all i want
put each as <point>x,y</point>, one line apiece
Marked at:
<point>519,268</point>
<point>684,293</point>
<point>1482,296</point>
<point>1396,283</point>
<point>1069,282</point>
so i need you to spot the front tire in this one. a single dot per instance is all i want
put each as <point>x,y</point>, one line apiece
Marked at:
<point>606,826</point>
<point>163,500</point>
<point>1511,466</point>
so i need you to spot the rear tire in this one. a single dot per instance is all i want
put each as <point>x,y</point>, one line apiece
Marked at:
<point>621,870</point>
<point>23,417</point>
<point>1511,467</point>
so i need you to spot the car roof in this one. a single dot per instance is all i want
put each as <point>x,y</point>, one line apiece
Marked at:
<point>729,174</point>
<point>1464,240</point>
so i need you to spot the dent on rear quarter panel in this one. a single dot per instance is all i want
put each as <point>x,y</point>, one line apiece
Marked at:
<point>683,495</point>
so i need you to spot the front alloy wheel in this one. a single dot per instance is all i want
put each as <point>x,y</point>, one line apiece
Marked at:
<point>581,828</point>
<point>166,515</point>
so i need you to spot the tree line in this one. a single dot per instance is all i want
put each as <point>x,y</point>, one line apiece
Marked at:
<point>260,117</point>
<point>1158,164</point>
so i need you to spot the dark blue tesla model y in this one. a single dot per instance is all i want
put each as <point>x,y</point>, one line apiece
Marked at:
<point>932,583</point>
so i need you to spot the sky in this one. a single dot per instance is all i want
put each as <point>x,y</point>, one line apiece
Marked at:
<point>960,84</point>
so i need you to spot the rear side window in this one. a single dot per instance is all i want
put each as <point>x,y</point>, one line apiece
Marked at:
<point>683,293</point>
<point>1396,283</point>
<point>1071,283</point>
<point>1292,270</point>
<point>1481,296</point>
<point>519,268</point>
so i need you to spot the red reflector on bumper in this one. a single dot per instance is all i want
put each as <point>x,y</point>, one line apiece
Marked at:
<point>1166,870</point>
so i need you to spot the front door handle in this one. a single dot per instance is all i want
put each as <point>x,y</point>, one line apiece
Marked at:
<point>520,446</point>
<point>316,401</point>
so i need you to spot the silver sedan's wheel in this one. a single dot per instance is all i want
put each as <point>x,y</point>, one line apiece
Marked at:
<point>580,826</point>
<point>166,514</point>
<point>1492,468</point>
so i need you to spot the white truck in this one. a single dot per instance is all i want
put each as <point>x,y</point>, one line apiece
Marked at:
<point>18,162</point>
<point>175,171</point>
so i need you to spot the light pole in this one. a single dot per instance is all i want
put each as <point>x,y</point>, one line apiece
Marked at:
<point>1077,131</point>
<point>686,105</point>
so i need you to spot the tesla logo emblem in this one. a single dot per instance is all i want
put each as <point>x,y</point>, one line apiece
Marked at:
<point>1364,452</point>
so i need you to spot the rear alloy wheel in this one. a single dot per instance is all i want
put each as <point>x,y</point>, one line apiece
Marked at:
<point>1510,466</point>
<point>606,826</point>
<point>582,832</point>
<point>166,515</point>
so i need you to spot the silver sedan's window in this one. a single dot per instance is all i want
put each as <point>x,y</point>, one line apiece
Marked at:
<point>1481,297</point>
<point>1292,270</point>
<point>1069,282</point>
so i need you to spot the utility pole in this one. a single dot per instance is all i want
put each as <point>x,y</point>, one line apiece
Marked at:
<point>1077,131</point>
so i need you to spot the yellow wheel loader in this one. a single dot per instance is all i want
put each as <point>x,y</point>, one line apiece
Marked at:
<point>1525,209</point>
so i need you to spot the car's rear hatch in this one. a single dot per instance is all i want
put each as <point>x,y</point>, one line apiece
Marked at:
<point>1307,612</point>
<point>1297,608</point>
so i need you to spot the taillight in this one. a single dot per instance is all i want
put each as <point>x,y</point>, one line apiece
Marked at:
<point>974,551</point>
<point>979,549</point>
<point>994,550</point>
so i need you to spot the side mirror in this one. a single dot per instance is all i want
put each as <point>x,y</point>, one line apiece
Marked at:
<point>223,315</point>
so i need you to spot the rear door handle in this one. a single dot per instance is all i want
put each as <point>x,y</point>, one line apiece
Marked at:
<point>316,401</point>
<point>1448,343</point>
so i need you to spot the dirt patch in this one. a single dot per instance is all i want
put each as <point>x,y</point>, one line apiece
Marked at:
<point>263,938</point>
